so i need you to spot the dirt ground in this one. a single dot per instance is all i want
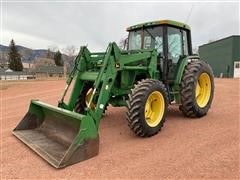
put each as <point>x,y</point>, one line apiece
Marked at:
<point>185,148</point>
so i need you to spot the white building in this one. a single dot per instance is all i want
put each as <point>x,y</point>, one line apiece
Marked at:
<point>14,75</point>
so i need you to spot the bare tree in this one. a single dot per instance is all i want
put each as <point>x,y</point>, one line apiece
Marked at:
<point>28,53</point>
<point>44,62</point>
<point>49,54</point>
<point>53,48</point>
<point>70,51</point>
<point>123,43</point>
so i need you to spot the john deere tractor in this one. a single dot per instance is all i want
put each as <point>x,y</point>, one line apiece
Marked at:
<point>157,69</point>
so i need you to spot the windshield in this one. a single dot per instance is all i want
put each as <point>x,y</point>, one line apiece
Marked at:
<point>152,38</point>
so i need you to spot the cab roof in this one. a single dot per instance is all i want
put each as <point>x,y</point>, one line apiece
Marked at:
<point>159,22</point>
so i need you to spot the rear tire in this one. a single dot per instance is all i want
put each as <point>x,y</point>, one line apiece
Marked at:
<point>147,107</point>
<point>196,89</point>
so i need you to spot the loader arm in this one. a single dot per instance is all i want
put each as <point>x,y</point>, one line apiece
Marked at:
<point>113,61</point>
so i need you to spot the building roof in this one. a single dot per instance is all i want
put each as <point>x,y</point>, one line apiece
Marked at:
<point>9,70</point>
<point>232,36</point>
<point>14,73</point>
<point>49,69</point>
<point>159,22</point>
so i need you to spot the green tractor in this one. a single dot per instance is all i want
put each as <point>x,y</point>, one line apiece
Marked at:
<point>157,69</point>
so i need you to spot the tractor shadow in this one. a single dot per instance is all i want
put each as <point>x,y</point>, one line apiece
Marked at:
<point>174,113</point>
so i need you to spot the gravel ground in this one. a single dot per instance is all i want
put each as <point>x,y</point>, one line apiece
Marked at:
<point>185,148</point>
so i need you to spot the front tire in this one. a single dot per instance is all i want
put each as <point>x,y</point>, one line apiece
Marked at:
<point>147,107</point>
<point>196,89</point>
<point>84,98</point>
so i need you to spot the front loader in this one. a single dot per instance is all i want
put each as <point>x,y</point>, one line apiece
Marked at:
<point>157,69</point>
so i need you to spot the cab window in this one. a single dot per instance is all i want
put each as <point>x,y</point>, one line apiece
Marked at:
<point>152,39</point>
<point>174,44</point>
<point>185,43</point>
<point>135,40</point>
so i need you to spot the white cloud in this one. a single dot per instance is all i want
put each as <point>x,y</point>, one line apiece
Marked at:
<point>39,25</point>
<point>26,39</point>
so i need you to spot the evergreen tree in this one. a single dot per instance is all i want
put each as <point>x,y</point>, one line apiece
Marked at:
<point>58,58</point>
<point>15,62</point>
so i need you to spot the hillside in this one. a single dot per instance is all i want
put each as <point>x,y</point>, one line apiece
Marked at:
<point>28,55</point>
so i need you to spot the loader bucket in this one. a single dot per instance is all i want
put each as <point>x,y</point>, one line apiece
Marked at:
<point>59,136</point>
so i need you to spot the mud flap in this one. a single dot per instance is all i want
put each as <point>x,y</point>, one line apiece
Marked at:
<point>59,136</point>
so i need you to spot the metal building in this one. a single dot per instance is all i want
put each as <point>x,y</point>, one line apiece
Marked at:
<point>223,55</point>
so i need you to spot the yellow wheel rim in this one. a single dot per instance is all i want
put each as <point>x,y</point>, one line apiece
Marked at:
<point>154,108</point>
<point>87,99</point>
<point>203,90</point>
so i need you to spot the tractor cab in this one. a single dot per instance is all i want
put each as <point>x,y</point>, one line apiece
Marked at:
<point>171,39</point>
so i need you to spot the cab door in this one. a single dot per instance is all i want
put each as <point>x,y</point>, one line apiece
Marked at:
<point>178,47</point>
